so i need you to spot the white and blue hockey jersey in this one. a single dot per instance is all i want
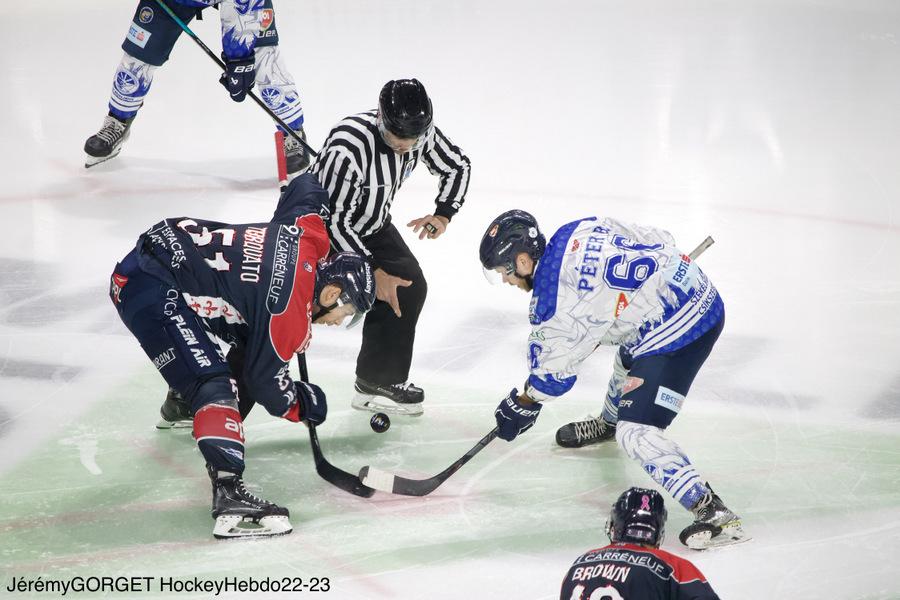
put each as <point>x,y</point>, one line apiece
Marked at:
<point>241,21</point>
<point>604,282</point>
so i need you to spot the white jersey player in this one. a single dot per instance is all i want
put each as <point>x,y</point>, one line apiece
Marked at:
<point>604,282</point>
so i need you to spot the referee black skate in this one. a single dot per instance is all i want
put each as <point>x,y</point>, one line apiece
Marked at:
<point>365,161</point>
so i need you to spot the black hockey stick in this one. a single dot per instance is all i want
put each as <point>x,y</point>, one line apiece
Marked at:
<point>250,93</point>
<point>394,484</point>
<point>327,471</point>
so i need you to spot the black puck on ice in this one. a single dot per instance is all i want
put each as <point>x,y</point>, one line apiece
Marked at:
<point>380,422</point>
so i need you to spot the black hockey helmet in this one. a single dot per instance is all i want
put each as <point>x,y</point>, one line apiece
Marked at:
<point>509,234</point>
<point>405,108</point>
<point>353,274</point>
<point>638,516</point>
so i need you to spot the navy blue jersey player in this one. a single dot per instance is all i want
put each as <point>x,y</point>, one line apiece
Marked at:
<point>190,283</point>
<point>632,566</point>
<point>250,52</point>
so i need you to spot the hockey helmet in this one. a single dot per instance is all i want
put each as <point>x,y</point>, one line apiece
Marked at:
<point>404,108</point>
<point>511,233</point>
<point>638,516</point>
<point>353,274</point>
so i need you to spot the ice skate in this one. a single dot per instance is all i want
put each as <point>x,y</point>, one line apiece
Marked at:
<point>296,156</point>
<point>175,412</point>
<point>107,143</point>
<point>714,525</point>
<point>240,514</point>
<point>393,399</point>
<point>585,433</point>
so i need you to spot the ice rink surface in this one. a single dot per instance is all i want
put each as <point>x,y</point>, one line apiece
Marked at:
<point>772,126</point>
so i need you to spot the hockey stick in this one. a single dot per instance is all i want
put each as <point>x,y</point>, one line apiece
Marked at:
<point>250,93</point>
<point>702,247</point>
<point>326,470</point>
<point>394,484</point>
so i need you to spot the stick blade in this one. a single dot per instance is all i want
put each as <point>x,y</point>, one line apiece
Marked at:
<point>378,479</point>
<point>343,480</point>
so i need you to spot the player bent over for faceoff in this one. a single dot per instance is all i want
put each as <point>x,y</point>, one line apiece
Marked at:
<point>255,286</point>
<point>603,282</point>
<point>633,566</point>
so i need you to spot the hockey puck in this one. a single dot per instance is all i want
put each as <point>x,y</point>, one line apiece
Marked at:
<point>380,422</point>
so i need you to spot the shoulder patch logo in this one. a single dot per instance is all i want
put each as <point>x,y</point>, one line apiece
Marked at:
<point>146,15</point>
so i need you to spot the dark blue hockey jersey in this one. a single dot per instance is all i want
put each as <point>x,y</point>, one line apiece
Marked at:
<point>252,284</point>
<point>631,572</point>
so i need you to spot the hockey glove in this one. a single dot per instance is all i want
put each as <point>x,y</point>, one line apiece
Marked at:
<point>514,418</point>
<point>311,406</point>
<point>239,76</point>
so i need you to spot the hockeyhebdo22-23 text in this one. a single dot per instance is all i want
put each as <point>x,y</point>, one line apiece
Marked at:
<point>133,585</point>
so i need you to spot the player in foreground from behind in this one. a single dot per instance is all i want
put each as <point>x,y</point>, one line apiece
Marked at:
<point>257,287</point>
<point>632,565</point>
<point>603,282</point>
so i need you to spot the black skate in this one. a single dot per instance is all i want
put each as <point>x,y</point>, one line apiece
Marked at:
<point>585,433</point>
<point>295,155</point>
<point>175,412</point>
<point>238,513</point>
<point>107,143</point>
<point>396,399</point>
<point>714,525</point>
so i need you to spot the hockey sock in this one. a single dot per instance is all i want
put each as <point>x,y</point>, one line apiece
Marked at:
<point>218,427</point>
<point>276,86</point>
<point>131,84</point>
<point>614,391</point>
<point>663,460</point>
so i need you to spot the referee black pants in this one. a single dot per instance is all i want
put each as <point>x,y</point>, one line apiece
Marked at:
<point>387,344</point>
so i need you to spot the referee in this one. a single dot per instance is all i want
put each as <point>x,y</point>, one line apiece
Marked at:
<point>365,161</point>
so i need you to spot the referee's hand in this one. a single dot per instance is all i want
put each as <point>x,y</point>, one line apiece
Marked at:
<point>386,288</point>
<point>431,226</point>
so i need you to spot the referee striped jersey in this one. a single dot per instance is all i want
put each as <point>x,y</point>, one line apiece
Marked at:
<point>361,174</point>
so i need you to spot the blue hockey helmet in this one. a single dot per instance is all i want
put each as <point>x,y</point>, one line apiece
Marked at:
<point>405,108</point>
<point>353,274</point>
<point>638,516</point>
<point>511,233</point>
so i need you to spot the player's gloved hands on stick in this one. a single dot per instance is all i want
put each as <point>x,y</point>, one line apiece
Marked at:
<point>513,417</point>
<point>239,76</point>
<point>311,403</point>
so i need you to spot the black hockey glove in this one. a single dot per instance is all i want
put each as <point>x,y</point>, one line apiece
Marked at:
<point>239,76</point>
<point>514,418</point>
<point>311,401</point>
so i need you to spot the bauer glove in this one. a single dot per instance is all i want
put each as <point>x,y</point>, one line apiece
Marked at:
<point>514,418</point>
<point>310,407</point>
<point>239,76</point>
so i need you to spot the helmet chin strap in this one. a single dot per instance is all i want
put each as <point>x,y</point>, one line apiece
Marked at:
<point>324,310</point>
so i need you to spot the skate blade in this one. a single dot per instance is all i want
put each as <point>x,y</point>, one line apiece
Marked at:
<point>184,424</point>
<point>369,403</point>
<point>93,161</point>
<point>703,539</point>
<point>237,526</point>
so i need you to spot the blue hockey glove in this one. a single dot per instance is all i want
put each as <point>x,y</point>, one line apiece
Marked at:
<point>514,418</point>
<point>239,76</point>
<point>311,401</point>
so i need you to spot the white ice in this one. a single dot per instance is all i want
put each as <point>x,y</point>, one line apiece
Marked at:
<point>771,125</point>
